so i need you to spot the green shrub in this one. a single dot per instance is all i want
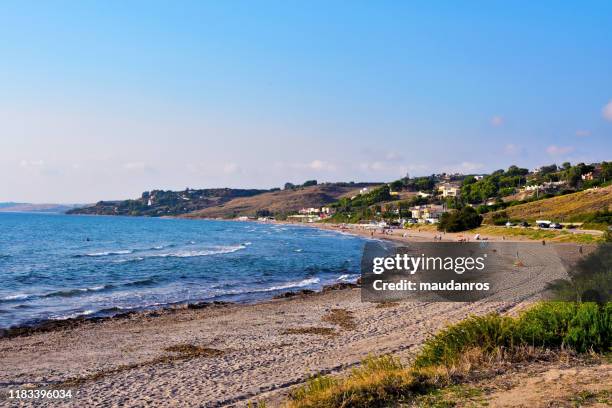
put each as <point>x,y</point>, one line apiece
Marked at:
<point>461,220</point>
<point>384,381</point>
<point>580,326</point>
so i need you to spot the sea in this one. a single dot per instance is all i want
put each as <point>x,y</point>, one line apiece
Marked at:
<point>55,266</point>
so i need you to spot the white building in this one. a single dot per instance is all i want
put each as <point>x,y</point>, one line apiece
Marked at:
<point>449,190</point>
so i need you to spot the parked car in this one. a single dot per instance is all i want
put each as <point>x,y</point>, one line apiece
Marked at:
<point>556,225</point>
<point>524,224</point>
<point>509,224</point>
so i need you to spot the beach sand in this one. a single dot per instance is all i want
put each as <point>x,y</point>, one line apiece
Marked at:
<point>221,355</point>
<point>246,352</point>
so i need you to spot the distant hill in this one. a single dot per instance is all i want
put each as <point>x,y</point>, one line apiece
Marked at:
<point>27,207</point>
<point>158,203</point>
<point>563,208</point>
<point>282,202</point>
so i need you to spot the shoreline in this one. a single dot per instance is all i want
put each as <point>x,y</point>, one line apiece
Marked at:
<point>365,232</point>
<point>225,354</point>
<point>249,352</point>
<point>51,325</point>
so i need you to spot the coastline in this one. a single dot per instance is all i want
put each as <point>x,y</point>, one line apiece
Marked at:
<point>219,354</point>
<point>397,236</point>
<point>255,351</point>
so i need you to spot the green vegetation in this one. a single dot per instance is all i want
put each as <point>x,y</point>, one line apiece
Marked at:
<point>167,203</point>
<point>538,234</point>
<point>384,381</point>
<point>460,220</point>
<point>308,183</point>
<point>572,175</point>
<point>358,208</point>
<point>498,184</point>
<point>579,326</point>
<point>592,206</point>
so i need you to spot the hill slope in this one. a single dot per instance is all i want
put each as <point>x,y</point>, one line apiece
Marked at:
<point>159,203</point>
<point>564,208</point>
<point>281,202</point>
<point>27,207</point>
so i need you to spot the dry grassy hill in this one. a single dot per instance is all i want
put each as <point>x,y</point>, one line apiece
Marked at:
<point>280,202</point>
<point>563,208</point>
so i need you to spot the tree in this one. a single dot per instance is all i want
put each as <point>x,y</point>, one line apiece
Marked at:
<point>397,185</point>
<point>309,183</point>
<point>289,186</point>
<point>465,219</point>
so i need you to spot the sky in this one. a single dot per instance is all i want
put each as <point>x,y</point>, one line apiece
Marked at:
<point>106,99</point>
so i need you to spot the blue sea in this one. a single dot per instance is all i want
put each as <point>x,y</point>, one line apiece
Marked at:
<point>61,266</point>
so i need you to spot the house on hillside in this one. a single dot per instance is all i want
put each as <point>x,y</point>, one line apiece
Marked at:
<point>449,189</point>
<point>427,214</point>
<point>328,210</point>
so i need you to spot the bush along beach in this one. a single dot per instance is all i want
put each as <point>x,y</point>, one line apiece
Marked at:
<point>455,353</point>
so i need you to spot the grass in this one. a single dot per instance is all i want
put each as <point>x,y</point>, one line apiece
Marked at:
<point>565,207</point>
<point>458,349</point>
<point>538,234</point>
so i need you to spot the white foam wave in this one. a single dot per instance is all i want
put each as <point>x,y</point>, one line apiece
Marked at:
<point>289,285</point>
<point>19,296</point>
<point>205,252</point>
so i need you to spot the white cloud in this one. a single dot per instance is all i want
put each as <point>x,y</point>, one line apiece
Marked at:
<point>320,165</point>
<point>512,150</point>
<point>554,150</point>
<point>583,133</point>
<point>497,121</point>
<point>607,111</point>
<point>231,168</point>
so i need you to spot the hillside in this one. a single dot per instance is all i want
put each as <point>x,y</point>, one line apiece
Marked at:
<point>27,207</point>
<point>563,208</point>
<point>281,202</point>
<point>163,203</point>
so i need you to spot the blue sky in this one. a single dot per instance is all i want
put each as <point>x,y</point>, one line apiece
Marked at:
<point>103,100</point>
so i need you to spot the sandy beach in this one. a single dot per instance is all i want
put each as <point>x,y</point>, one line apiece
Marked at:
<point>224,354</point>
<point>249,352</point>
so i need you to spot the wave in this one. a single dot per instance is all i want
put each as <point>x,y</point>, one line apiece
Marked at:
<point>205,252</point>
<point>106,253</point>
<point>76,291</point>
<point>142,282</point>
<point>159,247</point>
<point>289,285</point>
<point>348,278</point>
<point>130,260</point>
<point>18,296</point>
